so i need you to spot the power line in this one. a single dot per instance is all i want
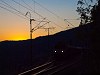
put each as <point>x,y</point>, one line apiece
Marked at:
<point>27,4</point>
<point>45,8</point>
<point>48,29</point>
<point>58,25</point>
<point>31,10</point>
<point>12,7</point>
<point>41,26</point>
<point>69,22</point>
<point>52,12</point>
<point>11,11</point>
<point>34,11</point>
<point>38,24</point>
<point>72,19</point>
<point>27,8</point>
<point>7,5</point>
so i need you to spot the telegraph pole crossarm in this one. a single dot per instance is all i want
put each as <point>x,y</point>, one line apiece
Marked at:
<point>48,29</point>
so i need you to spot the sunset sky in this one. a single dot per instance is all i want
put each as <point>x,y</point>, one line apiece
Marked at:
<point>15,26</point>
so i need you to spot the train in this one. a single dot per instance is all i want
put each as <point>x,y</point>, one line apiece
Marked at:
<point>65,52</point>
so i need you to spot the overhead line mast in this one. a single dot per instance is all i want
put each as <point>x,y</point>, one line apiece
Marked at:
<point>30,35</point>
<point>31,31</point>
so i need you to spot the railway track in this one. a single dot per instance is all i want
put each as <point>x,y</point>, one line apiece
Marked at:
<point>52,67</point>
<point>59,67</point>
<point>44,69</point>
<point>49,68</point>
<point>37,70</point>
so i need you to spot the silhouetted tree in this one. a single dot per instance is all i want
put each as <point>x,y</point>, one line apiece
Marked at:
<point>87,11</point>
<point>95,13</point>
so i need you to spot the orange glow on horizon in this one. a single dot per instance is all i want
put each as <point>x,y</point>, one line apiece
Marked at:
<point>17,38</point>
<point>22,35</point>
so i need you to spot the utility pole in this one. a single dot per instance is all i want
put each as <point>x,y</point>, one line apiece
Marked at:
<point>48,29</point>
<point>30,36</point>
<point>30,24</point>
<point>31,31</point>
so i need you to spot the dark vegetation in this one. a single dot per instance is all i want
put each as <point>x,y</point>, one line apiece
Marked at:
<point>88,12</point>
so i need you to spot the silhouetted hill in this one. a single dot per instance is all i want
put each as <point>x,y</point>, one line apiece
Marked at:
<point>15,55</point>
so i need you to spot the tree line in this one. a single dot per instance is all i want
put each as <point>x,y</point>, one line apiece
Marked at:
<point>88,12</point>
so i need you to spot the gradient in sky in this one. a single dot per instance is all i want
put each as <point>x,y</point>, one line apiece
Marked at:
<point>14,27</point>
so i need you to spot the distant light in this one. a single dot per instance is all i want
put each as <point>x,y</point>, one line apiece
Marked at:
<point>62,51</point>
<point>55,51</point>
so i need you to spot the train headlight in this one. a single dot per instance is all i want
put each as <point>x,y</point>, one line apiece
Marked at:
<point>55,51</point>
<point>62,51</point>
